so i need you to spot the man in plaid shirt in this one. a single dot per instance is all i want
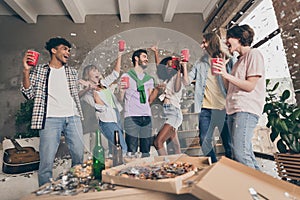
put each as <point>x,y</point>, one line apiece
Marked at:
<point>53,86</point>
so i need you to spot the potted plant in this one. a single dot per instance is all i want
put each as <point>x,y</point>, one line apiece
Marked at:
<point>284,122</point>
<point>23,121</point>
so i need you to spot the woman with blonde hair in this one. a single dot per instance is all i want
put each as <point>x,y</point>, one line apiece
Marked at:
<point>98,94</point>
<point>210,95</point>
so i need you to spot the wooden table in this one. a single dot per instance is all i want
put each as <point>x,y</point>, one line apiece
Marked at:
<point>124,193</point>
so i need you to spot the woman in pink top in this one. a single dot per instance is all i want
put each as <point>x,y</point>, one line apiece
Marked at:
<point>246,92</point>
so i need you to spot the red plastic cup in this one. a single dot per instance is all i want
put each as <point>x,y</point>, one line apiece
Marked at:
<point>35,56</point>
<point>121,45</point>
<point>185,54</point>
<point>175,62</point>
<point>125,82</point>
<point>213,61</point>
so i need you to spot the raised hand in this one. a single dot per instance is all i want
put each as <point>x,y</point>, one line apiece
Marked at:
<point>88,84</point>
<point>154,48</point>
<point>28,57</point>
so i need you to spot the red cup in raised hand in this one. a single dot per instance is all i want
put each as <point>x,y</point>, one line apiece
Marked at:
<point>185,55</point>
<point>121,45</point>
<point>35,57</point>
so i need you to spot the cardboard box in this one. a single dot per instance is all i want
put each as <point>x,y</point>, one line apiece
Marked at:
<point>177,185</point>
<point>228,179</point>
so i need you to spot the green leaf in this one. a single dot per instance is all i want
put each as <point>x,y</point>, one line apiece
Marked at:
<point>273,135</point>
<point>285,138</point>
<point>275,87</point>
<point>285,95</point>
<point>283,126</point>
<point>281,146</point>
<point>295,115</point>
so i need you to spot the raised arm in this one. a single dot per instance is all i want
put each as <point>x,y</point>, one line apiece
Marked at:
<point>177,85</point>
<point>156,56</point>
<point>118,62</point>
<point>185,79</point>
<point>26,69</point>
<point>109,79</point>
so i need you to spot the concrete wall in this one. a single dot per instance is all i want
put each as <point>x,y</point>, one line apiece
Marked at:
<point>17,36</point>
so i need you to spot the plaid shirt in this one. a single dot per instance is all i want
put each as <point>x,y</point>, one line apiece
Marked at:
<point>38,91</point>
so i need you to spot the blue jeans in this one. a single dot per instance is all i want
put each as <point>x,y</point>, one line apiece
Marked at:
<point>108,128</point>
<point>50,139</point>
<point>209,119</point>
<point>138,131</point>
<point>241,126</point>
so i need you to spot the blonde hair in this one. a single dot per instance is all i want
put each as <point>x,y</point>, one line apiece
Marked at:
<point>86,71</point>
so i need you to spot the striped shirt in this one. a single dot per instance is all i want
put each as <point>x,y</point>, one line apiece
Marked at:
<point>38,91</point>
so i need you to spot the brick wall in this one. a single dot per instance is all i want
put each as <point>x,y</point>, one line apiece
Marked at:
<point>288,17</point>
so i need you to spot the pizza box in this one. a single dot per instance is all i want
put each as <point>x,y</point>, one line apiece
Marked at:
<point>178,185</point>
<point>228,179</point>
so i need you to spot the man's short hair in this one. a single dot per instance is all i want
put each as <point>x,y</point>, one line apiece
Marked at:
<point>137,53</point>
<point>54,42</point>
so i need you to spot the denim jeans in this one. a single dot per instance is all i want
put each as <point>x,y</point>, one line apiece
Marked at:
<point>138,131</point>
<point>241,126</point>
<point>209,119</point>
<point>173,115</point>
<point>108,128</point>
<point>50,139</point>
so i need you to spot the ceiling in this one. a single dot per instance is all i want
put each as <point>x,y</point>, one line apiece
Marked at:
<point>29,10</point>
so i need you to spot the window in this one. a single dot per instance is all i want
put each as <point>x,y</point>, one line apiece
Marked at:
<point>263,20</point>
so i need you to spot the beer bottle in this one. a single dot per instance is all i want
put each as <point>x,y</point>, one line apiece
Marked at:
<point>98,158</point>
<point>117,150</point>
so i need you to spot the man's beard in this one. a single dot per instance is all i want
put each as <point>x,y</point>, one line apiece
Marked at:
<point>142,65</point>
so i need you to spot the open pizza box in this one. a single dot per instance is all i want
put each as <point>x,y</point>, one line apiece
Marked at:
<point>179,185</point>
<point>228,179</point>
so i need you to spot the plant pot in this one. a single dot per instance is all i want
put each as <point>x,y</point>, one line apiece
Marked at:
<point>288,166</point>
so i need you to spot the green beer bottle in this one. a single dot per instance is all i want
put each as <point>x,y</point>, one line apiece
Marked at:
<point>98,158</point>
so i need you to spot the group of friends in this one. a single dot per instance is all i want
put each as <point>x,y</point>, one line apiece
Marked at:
<point>231,99</point>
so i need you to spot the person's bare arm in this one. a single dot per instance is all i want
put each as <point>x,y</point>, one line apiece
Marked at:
<point>186,80</point>
<point>156,56</point>
<point>247,85</point>
<point>177,85</point>
<point>153,94</point>
<point>118,62</point>
<point>121,93</point>
<point>87,87</point>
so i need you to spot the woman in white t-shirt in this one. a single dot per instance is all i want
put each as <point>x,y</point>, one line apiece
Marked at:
<point>246,92</point>
<point>174,76</point>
